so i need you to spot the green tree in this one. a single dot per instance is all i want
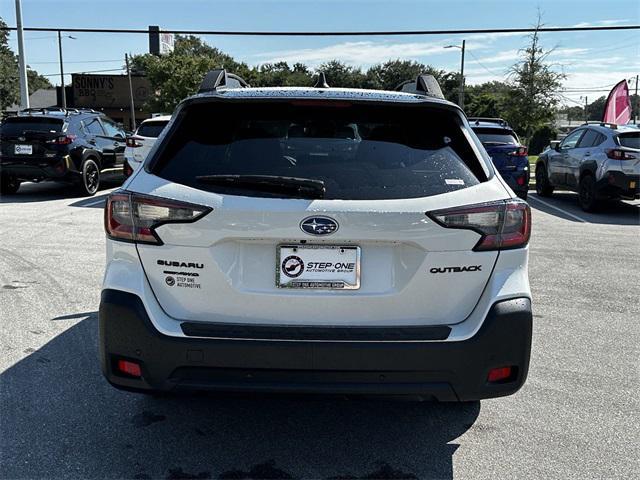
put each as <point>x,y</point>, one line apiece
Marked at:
<point>339,74</point>
<point>533,99</point>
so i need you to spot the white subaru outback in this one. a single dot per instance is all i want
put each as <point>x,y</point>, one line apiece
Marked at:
<point>317,240</point>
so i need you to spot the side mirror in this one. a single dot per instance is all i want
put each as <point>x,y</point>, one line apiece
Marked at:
<point>555,145</point>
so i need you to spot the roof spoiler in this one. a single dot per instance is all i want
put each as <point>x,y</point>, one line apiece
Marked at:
<point>477,120</point>
<point>220,78</point>
<point>424,84</point>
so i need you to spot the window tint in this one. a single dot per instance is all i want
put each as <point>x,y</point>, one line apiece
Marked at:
<point>14,126</point>
<point>359,151</point>
<point>496,136</point>
<point>93,127</point>
<point>589,139</point>
<point>151,129</point>
<point>571,140</point>
<point>111,128</point>
<point>631,140</point>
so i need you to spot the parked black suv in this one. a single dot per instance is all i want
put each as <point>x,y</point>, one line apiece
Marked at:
<point>77,146</point>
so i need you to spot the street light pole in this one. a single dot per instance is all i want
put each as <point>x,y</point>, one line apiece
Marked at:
<point>461,89</point>
<point>64,93</point>
<point>133,108</point>
<point>24,83</point>
<point>461,93</point>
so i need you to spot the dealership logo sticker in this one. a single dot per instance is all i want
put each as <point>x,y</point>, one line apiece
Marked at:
<point>292,266</point>
<point>319,225</point>
<point>170,281</point>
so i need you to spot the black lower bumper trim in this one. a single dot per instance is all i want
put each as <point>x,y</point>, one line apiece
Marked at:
<point>296,332</point>
<point>440,370</point>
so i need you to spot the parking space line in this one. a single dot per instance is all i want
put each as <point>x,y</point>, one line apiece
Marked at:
<point>568,214</point>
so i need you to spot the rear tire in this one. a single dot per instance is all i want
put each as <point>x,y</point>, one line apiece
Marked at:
<point>587,194</point>
<point>90,181</point>
<point>8,184</point>
<point>543,186</point>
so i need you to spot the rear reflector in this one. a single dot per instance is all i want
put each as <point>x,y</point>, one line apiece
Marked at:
<point>129,368</point>
<point>501,374</point>
<point>132,217</point>
<point>503,225</point>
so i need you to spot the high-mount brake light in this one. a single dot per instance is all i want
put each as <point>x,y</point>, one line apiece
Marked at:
<point>503,225</point>
<point>132,217</point>
<point>132,142</point>
<point>617,154</point>
<point>519,152</point>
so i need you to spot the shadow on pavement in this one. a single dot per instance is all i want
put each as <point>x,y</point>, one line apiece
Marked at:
<point>61,419</point>
<point>47,191</point>
<point>610,212</point>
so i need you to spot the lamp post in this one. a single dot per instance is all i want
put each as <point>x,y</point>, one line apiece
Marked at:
<point>64,93</point>
<point>461,91</point>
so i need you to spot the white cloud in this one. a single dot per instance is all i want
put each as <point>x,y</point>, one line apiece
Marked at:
<point>602,23</point>
<point>361,53</point>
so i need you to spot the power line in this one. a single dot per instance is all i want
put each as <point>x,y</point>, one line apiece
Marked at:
<point>335,33</point>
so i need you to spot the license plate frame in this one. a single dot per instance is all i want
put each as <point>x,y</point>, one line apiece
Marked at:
<point>19,149</point>
<point>345,279</point>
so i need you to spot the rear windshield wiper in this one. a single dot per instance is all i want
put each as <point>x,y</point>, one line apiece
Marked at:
<point>291,186</point>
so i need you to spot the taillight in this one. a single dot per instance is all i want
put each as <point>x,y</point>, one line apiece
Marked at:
<point>519,152</point>
<point>132,142</point>
<point>63,140</point>
<point>133,218</point>
<point>126,169</point>
<point>617,154</point>
<point>503,225</point>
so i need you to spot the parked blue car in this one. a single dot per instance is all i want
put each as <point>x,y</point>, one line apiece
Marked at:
<point>508,154</point>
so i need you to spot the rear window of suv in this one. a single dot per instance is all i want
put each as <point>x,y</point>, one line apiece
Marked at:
<point>359,151</point>
<point>16,126</point>
<point>496,136</point>
<point>631,140</point>
<point>151,129</point>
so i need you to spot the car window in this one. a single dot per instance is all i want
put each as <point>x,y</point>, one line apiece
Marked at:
<point>14,126</point>
<point>93,127</point>
<point>360,151</point>
<point>151,129</point>
<point>496,136</point>
<point>111,129</point>
<point>631,139</point>
<point>589,139</point>
<point>571,140</point>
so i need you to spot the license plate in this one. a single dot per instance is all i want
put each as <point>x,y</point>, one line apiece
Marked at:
<point>327,267</point>
<point>632,184</point>
<point>23,149</point>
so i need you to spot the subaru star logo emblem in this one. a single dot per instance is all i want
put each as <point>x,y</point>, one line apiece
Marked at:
<point>319,225</point>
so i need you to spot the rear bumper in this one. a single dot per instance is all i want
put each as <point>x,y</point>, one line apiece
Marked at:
<point>619,184</point>
<point>446,371</point>
<point>54,168</point>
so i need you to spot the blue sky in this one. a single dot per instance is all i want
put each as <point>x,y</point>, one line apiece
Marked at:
<point>591,60</point>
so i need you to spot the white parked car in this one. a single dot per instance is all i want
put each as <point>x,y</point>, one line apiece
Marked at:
<point>139,144</point>
<point>317,240</point>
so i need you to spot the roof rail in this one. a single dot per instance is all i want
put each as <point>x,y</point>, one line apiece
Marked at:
<point>219,78</point>
<point>477,120</point>
<point>424,84</point>
<point>614,126</point>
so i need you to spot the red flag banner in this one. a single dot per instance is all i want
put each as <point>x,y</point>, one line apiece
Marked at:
<point>618,107</point>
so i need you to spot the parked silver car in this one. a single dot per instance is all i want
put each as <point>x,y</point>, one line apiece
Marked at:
<point>599,161</point>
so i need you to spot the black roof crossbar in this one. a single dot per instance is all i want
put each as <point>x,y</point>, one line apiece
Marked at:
<point>424,84</point>
<point>498,121</point>
<point>219,78</point>
<point>613,126</point>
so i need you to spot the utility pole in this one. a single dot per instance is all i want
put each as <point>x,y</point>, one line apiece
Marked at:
<point>64,93</point>
<point>461,93</point>
<point>586,113</point>
<point>133,109</point>
<point>24,83</point>
<point>637,102</point>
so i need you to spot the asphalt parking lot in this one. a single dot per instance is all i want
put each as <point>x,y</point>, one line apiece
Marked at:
<point>576,417</point>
